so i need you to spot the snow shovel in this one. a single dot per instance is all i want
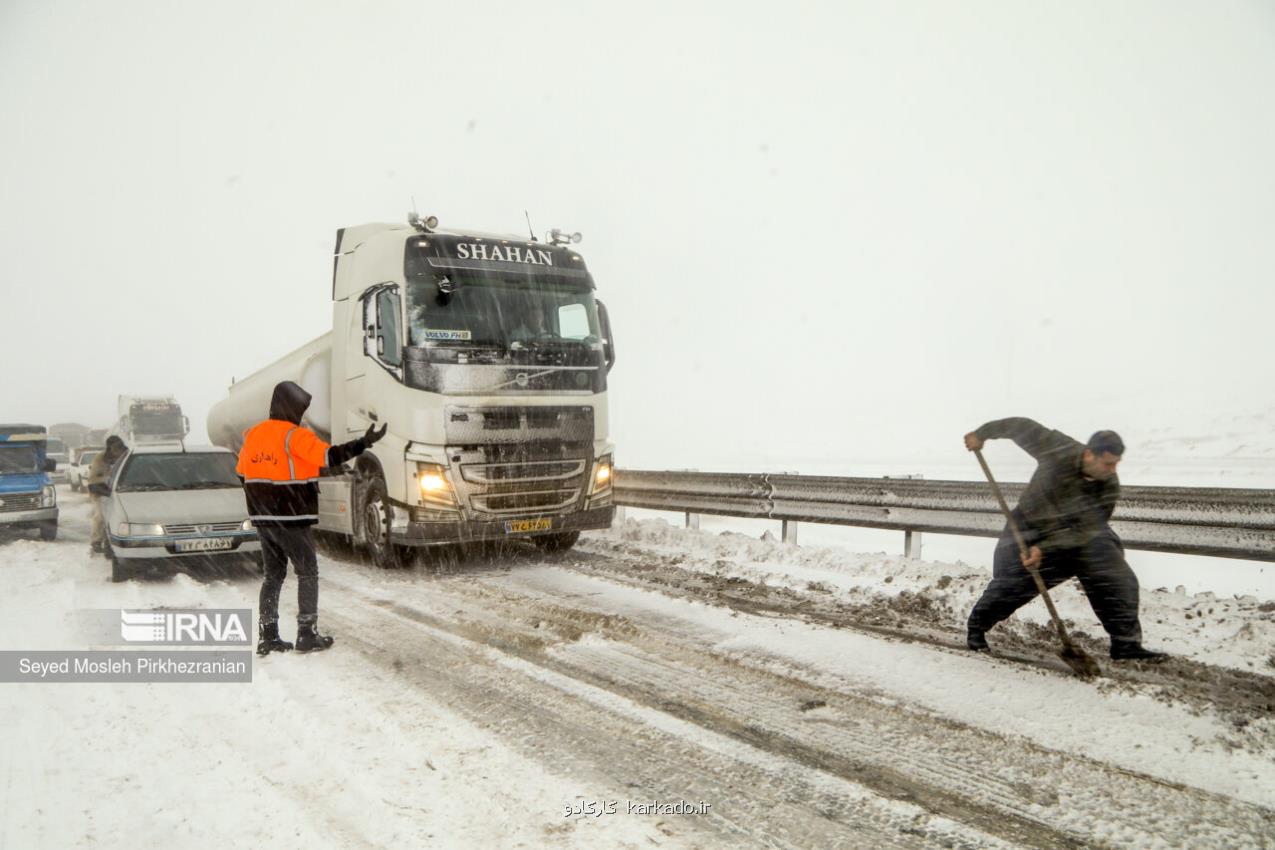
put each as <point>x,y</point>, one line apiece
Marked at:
<point>1080,662</point>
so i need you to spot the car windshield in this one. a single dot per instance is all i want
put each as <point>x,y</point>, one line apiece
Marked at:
<point>490,310</point>
<point>179,471</point>
<point>18,460</point>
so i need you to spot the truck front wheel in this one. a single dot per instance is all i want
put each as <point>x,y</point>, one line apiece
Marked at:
<point>375,520</point>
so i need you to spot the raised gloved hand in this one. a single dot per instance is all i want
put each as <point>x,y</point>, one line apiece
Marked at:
<point>372,435</point>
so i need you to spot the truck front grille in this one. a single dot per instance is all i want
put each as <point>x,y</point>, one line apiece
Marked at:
<point>531,478</point>
<point>19,502</point>
<point>520,460</point>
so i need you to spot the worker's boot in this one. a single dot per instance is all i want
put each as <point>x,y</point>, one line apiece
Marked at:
<point>309,639</point>
<point>1132,651</point>
<point>976,640</point>
<point>95,548</point>
<point>269,640</point>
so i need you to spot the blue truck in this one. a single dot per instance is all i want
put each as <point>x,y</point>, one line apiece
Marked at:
<point>27,496</point>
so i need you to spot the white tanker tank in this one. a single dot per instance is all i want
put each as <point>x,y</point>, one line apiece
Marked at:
<point>249,400</point>
<point>486,356</point>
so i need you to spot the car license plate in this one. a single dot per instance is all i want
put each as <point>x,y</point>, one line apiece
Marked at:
<point>522,526</point>
<point>207,544</point>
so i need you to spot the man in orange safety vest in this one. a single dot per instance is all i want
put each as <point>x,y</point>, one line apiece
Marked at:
<point>279,463</point>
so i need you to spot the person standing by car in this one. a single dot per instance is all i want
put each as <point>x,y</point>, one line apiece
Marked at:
<point>99,472</point>
<point>280,463</point>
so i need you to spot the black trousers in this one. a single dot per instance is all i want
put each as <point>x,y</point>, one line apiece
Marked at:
<point>280,544</point>
<point>1100,566</point>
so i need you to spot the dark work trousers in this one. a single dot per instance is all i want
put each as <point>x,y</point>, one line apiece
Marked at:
<point>279,544</point>
<point>1100,566</point>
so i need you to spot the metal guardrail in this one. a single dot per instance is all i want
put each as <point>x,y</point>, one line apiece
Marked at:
<point>1218,521</point>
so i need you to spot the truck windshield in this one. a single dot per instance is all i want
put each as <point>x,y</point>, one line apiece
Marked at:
<point>491,311</point>
<point>18,460</point>
<point>157,422</point>
<point>55,448</point>
<point>195,471</point>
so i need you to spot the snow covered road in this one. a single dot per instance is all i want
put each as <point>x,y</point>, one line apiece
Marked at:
<point>791,698</point>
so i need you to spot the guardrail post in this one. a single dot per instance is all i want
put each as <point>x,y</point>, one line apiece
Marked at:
<point>790,532</point>
<point>692,520</point>
<point>912,544</point>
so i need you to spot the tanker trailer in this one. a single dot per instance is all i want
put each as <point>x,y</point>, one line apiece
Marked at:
<point>487,355</point>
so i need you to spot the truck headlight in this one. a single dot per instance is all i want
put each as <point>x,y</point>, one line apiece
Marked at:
<point>602,472</point>
<point>435,489</point>
<point>48,496</point>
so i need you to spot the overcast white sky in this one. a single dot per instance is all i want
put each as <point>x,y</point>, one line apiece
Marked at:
<point>840,230</point>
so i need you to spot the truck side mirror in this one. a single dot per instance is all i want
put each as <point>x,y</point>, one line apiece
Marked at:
<point>50,465</point>
<point>608,342</point>
<point>380,346</point>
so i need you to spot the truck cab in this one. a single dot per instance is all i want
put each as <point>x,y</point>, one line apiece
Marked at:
<point>28,499</point>
<point>487,355</point>
<point>150,420</point>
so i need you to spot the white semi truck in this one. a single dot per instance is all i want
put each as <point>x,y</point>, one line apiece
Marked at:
<point>487,356</point>
<point>149,420</point>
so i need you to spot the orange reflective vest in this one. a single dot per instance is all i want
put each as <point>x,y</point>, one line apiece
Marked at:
<point>280,452</point>
<point>280,463</point>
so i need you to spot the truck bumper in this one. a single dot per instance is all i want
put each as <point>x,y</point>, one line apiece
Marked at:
<point>435,533</point>
<point>23,519</point>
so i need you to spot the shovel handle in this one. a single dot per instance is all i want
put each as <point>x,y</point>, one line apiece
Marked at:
<point>1000,497</point>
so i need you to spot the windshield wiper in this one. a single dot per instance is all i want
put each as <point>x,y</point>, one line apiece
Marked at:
<point>206,485</point>
<point>138,488</point>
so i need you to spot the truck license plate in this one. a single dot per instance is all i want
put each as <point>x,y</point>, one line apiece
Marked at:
<point>208,544</point>
<point>522,526</point>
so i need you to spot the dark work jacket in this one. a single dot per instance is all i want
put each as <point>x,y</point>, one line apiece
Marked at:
<point>289,500</point>
<point>1059,508</point>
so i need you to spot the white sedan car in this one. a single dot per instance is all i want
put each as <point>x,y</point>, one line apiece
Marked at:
<point>81,460</point>
<point>172,506</point>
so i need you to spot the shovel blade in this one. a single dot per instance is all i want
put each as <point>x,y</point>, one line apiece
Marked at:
<point>1080,662</point>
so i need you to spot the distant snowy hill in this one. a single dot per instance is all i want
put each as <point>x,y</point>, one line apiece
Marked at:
<point>1242,436</point>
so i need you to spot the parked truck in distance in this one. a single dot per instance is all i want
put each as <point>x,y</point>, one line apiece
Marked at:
<point>149,420</point>
<point>487,355</point>
<point>27,495</point>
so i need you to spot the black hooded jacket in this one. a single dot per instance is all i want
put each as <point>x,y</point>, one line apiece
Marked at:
<point>287,501</point>
<point>1059,508</point>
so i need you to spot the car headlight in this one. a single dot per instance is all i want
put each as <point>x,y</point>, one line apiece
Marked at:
<point>139,529</point>
<point>246,525</point>
<point>48,496</point>
<point>602,473</point>
<point>435,489</point>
